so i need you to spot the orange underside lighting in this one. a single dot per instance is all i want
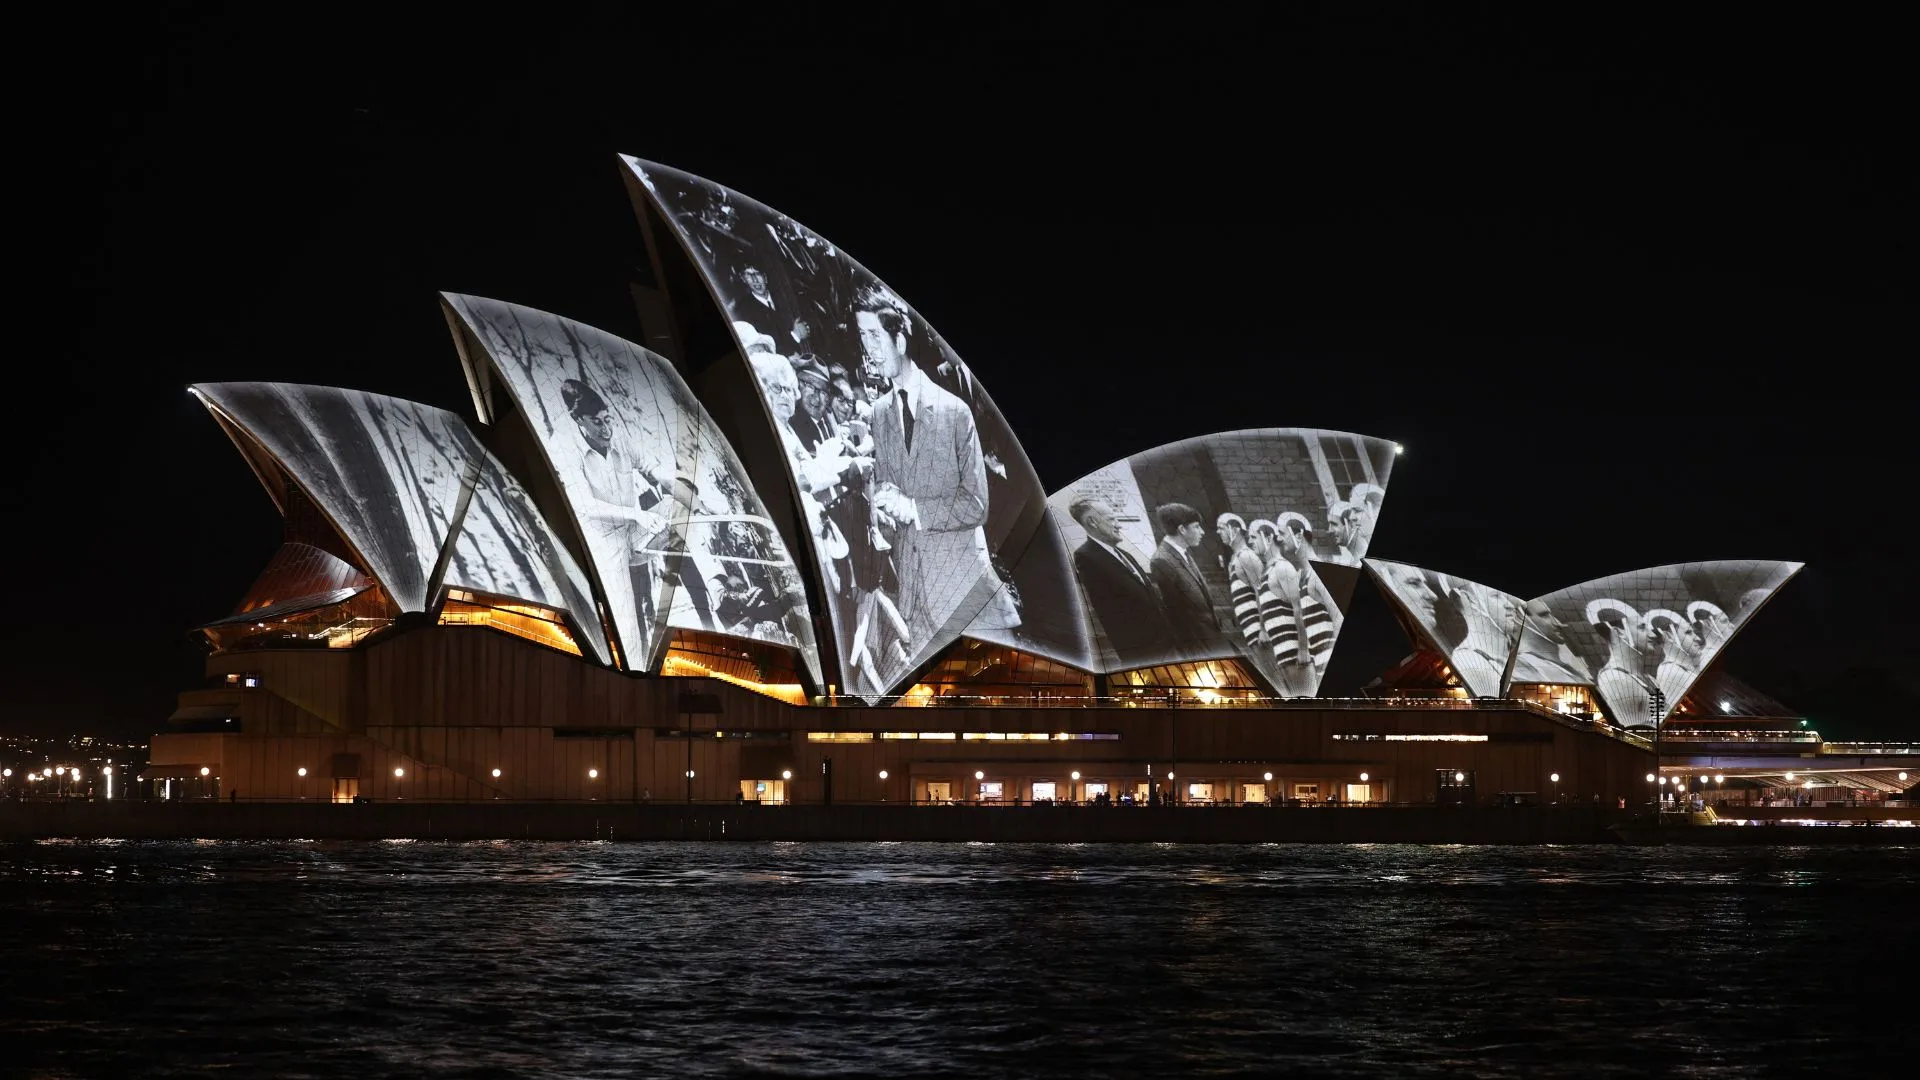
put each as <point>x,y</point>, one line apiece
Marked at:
<point>681,665</point>
<point>533,624</point>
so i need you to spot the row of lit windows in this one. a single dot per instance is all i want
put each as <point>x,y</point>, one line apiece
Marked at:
<point>963,736</point>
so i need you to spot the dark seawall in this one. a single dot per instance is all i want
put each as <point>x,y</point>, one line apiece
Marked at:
<point>672,821</point>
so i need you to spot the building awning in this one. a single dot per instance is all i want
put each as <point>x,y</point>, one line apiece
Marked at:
<point>205,712</point>
<point>178,772</point>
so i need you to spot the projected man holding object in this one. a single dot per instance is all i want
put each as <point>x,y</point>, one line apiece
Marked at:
<point>618,527</point>
<point>929,489</point>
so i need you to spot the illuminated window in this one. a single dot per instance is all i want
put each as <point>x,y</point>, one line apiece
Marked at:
<point>839,736</point>
<point>751,665</point>
<point>1209,682</point>
<point>529,622</point>
<point>976,673</point>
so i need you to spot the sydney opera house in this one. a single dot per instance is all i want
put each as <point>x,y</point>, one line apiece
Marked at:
<point>788,550</point>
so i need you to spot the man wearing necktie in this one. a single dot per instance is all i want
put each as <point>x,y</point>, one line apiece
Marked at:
<point>1190,615</point>
<point>929,484</point>
<point>1119,588</point>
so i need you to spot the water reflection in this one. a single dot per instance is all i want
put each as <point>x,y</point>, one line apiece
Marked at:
<point>585,959</point>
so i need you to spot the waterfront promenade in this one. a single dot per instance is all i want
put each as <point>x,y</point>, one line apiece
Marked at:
<point>503,820</point>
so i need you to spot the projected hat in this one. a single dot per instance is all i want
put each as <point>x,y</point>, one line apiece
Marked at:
<point>1698,607</point>
<point>1286,520</point>
<point>1597,610</point>
<point>810,370</point>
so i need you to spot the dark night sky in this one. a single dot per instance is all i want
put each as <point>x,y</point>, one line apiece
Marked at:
<point>1624,286</point>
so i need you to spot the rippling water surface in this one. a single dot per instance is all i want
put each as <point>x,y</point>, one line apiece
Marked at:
<point>897,960</point>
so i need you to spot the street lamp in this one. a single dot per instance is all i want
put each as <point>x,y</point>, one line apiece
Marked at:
<point>496,774</point>
<point>1555,777</point>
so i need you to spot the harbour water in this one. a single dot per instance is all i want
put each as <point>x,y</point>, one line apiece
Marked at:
<point>506,959</point>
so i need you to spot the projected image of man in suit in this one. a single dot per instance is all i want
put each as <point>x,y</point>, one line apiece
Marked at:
<point>1119,587</point>
<point>929,484</point>
<point>1190,618</point>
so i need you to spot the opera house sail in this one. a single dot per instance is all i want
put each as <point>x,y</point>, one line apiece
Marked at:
<point>1642,638</point>
<point>1474,627</point>
<point>1241,544</point>
<point>924,518</point>
<point>672,527</point>
<point>419,501</point>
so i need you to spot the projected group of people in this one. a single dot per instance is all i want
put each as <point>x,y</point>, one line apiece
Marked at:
<point>668,517</point>
<point>1641,639</point>
<point>897,455</point>
<point>1162,608</point>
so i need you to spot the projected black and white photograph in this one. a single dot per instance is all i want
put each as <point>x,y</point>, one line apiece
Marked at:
<point>1050,615</point>
<point>506,548</point>
<point>672,526</point>
<point>1209,548</point>
<point>1646,631</point>
<point>920,503</point>
<point>386,472</point>
<point>1475,627</point>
